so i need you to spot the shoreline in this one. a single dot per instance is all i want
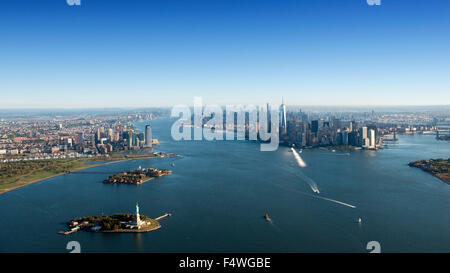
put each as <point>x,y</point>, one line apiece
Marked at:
<point>429,166</point>
<point>142,230</point>
<point>56,175</point>
<point>87,166</point>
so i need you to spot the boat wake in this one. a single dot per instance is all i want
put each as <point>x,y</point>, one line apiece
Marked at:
<point>337,202</point>
<point>310,182</point>
<point>300,161</point>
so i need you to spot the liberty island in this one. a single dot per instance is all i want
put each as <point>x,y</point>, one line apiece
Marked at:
<point>122,222</point>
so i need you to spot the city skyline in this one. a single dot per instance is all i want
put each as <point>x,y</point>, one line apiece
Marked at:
<point>163,53</point>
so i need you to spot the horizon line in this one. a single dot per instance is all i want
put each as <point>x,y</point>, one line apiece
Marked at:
<point>288,105</point>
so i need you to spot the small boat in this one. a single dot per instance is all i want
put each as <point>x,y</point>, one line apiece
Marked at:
<point>359,220</point>
<point>266,216</point>
<point>172,164</point>
<point>333,151</point>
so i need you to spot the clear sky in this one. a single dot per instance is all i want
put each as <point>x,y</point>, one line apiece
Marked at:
<point>122,53</point>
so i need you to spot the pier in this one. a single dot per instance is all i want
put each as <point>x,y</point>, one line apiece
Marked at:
<point>73,230</point>
<point>163,216</point>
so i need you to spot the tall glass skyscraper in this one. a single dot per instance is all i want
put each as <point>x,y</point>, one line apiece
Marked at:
<point>148,136</point>
<point>283,123</point>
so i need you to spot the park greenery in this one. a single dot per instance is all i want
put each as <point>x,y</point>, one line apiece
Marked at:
<point>107,223</point>
<point>438,167</point>
<point>20,173</point>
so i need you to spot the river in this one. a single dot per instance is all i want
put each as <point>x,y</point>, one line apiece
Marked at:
<point>219,192</point>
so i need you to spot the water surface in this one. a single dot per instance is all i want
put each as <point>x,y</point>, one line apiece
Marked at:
<point>219,192</point>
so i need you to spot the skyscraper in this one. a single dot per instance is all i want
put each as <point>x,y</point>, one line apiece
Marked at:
<point>283,117</point>
<point>110,134</point>
<point>372,138</point>
<point>148,136</point>
<point>130,139</point>
<point>315,126</point>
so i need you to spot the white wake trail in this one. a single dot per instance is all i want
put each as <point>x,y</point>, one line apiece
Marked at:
<point>336,201</point>
<point>310,182</point>
<point>300,161</point>
<point>302,164</point>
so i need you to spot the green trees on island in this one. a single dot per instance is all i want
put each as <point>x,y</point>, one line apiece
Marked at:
<point>108,222</point>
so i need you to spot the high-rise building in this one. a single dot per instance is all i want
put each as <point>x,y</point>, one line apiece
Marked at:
<point>283,118</point>
<point>363,137</point>
<point>130,139</point>
<point>315,126</point>
<point>268,117</point>
<point>148,136</point>
<point>110,134</point>
<point>372,138</point>
<point>344,138</point>
<point>98,134</point>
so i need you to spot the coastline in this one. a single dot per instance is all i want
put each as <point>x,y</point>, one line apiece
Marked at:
<point>59,174</point>
<point>133,230</point>
<point>431,166</point>
<point>86,166</point>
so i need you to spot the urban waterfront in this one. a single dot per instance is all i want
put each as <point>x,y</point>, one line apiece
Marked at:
<point>219,192</point>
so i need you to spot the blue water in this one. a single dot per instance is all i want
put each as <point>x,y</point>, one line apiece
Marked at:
<point>219,192</point>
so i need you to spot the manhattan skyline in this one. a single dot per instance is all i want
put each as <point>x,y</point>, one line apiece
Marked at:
<point>163,53</point>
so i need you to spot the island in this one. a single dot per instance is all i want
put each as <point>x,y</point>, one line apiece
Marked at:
<point>119,222</point>
<point>437,167</point>
<point>136,177</point>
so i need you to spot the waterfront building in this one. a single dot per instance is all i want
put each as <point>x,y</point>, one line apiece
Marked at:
<point>130,139</point>
<point>148,136</point>
<point>344,138</point>
<point>372,138</point>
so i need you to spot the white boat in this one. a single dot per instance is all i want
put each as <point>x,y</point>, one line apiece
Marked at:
<point>359,221</point>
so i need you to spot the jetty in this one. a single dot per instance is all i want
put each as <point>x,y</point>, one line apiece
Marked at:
<point>163,216</point>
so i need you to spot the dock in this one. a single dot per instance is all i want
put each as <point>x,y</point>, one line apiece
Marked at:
<point>73,230</point>
<point>163,216</point>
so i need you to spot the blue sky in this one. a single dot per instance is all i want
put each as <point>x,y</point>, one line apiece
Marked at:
<point>122,53</point>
